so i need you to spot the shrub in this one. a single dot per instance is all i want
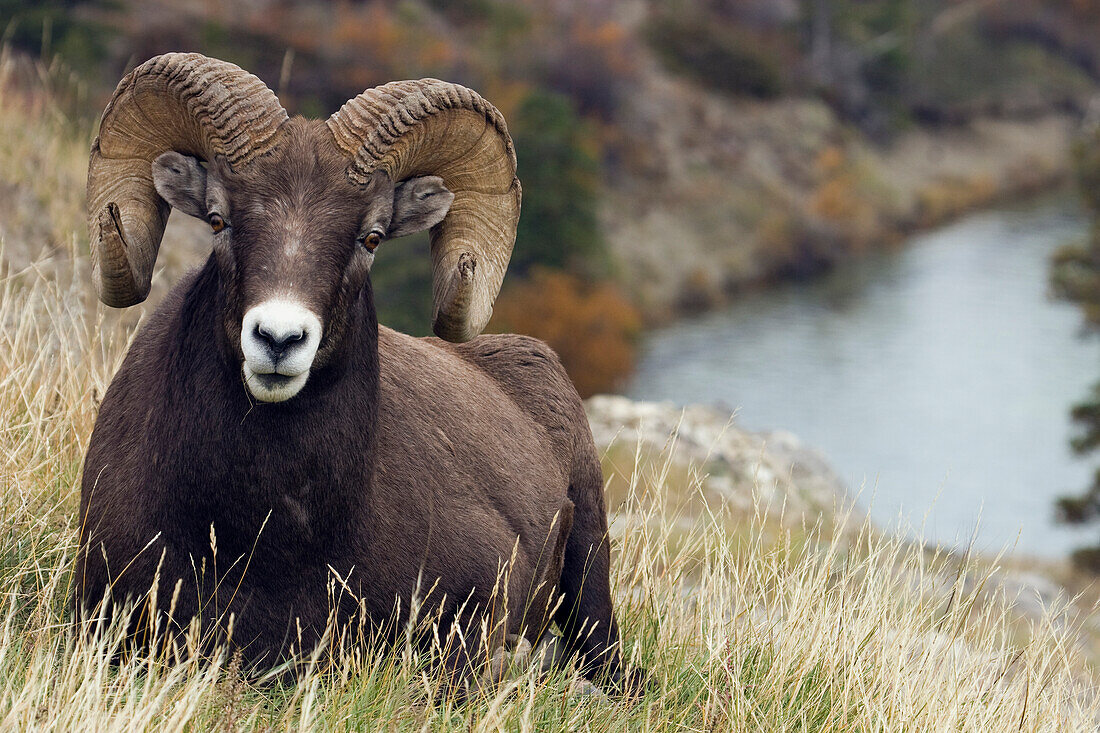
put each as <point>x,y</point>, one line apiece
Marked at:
<point>591,326</point>
<point>402,283</point>
<point>52,26</point>
<point>716,54</point>
<point>592,60</point>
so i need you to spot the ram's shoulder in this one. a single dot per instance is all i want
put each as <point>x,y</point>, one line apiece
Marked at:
<point>510,350</point>
<point>515,359</point>
<point>529,371</point>
<point>491,353</point>
<point>526,369</point>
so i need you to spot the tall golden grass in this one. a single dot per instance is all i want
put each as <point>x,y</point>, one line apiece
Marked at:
<point>766,628</point>
<point>821,627</point>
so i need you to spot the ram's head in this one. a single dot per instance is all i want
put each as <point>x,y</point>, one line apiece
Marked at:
<point>298,207</point>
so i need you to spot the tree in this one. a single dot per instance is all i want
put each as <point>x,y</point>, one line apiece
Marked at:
<point>591,326</point>
<point>560,172</point>
<point>1075,276</point>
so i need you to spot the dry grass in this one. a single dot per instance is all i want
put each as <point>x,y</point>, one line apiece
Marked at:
<point>43,163</point>
<point>763,628</point>
<point>774,629</point>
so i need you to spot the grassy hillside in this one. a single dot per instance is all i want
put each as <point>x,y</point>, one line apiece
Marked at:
<point>745,624</point>
<point>746,621</point>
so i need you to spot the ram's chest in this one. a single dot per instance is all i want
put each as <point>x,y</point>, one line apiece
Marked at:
<point>284,490</point>
<point>290,494</point>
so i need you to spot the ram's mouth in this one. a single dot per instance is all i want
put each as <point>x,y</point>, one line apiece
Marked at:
<point>273,386</point>
<point>274,380</point>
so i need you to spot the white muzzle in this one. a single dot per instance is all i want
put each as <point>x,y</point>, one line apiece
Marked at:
<point>279,339</point>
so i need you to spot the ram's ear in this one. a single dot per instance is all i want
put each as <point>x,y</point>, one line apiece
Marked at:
<point>181,181</point>
<point>418,204</point>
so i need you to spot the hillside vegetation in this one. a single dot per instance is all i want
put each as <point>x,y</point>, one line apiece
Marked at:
<point>673,152</point>
<point>747,619</point>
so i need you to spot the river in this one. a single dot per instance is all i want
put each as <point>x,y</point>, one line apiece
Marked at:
<point>937,379</point>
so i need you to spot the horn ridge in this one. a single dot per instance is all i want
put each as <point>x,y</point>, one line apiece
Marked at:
<point>433,127</point>
<point>178,101</point>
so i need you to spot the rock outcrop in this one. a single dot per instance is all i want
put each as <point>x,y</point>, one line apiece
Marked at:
<point>741,469</point>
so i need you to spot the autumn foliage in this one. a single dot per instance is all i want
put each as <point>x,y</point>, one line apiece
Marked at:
<point>593,327</point>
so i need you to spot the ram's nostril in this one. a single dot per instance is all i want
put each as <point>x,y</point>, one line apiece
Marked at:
<point>280,337</point>
<point>277,341</point>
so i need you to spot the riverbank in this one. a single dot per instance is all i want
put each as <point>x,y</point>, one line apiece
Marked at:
<point>742,471</point>
<point>745,193</point>
<point>940,376</point>
<point>772,482</point>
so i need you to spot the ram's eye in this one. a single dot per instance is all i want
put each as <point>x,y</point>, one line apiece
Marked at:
<point>370,241</point>
<point>217,223</point>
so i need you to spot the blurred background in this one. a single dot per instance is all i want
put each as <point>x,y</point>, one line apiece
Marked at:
<point>868,222</point>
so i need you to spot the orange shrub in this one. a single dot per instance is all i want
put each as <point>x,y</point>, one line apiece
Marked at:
<point>839,198</point>
<point>593,327</point>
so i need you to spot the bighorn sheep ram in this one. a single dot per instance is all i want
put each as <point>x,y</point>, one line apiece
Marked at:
<point>262,402</point>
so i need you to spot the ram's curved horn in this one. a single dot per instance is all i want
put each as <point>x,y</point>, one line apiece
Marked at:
<point>431,127</point>
<point>183,102</point>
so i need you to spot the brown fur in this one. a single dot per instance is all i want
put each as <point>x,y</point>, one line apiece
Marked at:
<point>402,464</point>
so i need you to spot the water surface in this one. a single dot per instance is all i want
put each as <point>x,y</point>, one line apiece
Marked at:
<point>938,378</point>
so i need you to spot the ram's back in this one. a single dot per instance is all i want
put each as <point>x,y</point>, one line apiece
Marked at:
<point>481,436</point>
<point>493,378</point>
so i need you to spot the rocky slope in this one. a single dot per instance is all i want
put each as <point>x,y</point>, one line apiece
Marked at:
<point>736,468</point>
<point>742,191</point>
